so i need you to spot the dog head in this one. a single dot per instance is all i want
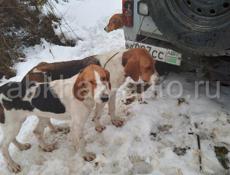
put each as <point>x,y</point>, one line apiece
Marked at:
<point>139,65</point>
<point>115,22</point>
<point>93,82</point>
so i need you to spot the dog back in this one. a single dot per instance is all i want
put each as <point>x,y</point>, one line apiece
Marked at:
<point>59,70</point>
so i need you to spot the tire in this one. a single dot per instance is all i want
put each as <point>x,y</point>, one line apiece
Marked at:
<point>194,26</point>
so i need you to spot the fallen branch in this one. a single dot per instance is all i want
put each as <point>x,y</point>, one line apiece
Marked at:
<point>199,148</point>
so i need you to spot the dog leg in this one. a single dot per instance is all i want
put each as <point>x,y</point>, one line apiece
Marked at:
<point>77,131</point>
<point>118,122</point>
<point>21,146</point>
<point>87,156</point>
<point>56,129</point>
<point>10,131</point>
<point>141,99</point>
<point>79,144</point>
<point>96,119</point>
<point>39,131</point>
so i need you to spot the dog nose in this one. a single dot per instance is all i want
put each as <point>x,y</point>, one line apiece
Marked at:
<point>105,98</point>
<point>106,29</point>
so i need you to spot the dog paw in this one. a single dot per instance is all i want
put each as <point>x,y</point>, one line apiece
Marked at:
<point>63,129</point>
<point>89,156</point>
<point>25,146</point>
<point>118,122</point>
<point>142,102</point>
<point>129,100</point>
<point>100,128</point>
<point>48,148</point>
<point>14,167</point>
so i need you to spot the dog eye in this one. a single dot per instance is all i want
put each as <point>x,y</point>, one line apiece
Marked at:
<point>92,82</point>
<point>103,78</point>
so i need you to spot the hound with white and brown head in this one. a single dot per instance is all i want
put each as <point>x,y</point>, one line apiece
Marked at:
<point>115,22</point>
<point>139,67</point>
<point>72,98</point>
<point>94,83</point>
<point>136,65</point>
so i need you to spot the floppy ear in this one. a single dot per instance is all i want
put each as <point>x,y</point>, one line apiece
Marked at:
<point>108,78</point>
<point>120,21</point>
<point>79,90</point>
<point>132,69</point>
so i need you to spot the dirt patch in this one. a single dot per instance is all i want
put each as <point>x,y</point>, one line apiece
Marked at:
<point>221,154</point>
<point>181,101</point>
<point>180,151</point>
<point>22,25</point>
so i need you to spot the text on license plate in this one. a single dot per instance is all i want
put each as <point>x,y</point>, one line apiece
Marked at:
<point>159,53</point>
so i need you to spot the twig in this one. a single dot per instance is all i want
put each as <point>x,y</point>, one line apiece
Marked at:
<point>51,53</point>
<point>199,147</point>
<point>52,6</point>
<point>63,35</point>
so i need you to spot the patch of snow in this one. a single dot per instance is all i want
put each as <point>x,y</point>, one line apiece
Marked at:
<point>147,142</point>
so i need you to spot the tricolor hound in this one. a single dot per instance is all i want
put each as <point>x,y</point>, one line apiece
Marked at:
<point>137,64</point>
<point>72,98</point>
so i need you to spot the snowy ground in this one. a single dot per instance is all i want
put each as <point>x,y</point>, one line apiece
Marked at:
<point>153,133</point>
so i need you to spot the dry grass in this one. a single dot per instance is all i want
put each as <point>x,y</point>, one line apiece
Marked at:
<point>22,25</point>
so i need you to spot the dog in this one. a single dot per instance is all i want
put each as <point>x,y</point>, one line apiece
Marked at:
<point>136,64</point>
<point>71,98</point>
<point>115,22</point>
<point>54,71</point>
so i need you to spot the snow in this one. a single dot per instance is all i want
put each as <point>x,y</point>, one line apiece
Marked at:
<point>82,18</point>
<point>146,143</point>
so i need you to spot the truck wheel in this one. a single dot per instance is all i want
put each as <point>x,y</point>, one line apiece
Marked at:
<point>197,26</point>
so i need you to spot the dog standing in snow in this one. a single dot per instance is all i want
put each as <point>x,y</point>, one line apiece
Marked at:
<point>72,98</point>
<point>136,64</point>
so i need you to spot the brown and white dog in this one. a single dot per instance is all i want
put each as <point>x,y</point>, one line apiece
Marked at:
<point>71,98</point>
<point>115,22</point>
<point>137,64</point>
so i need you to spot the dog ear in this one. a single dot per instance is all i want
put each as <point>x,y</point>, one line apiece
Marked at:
<point>79,89</point>
<point>131,66</point>
<point>108,78</point>
<point>119,22</point>
<point>132,69</point>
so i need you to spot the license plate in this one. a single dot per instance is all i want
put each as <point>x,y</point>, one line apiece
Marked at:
<point>159,53</point>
